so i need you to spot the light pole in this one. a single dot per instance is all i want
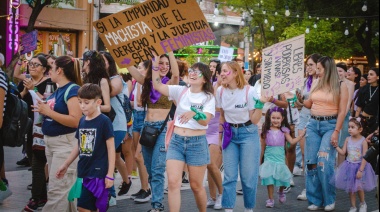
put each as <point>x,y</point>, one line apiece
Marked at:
<point>248,37</point>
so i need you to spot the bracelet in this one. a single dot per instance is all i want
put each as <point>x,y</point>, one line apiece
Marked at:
<point>360,170</point>
<point>110,178</point>
<point>336,130</point>
<point>155,68</point>
<point>274,99</point>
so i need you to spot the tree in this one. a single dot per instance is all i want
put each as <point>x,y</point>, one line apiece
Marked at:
<point>331,18</point>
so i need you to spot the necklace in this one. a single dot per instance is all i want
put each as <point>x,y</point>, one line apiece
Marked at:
<point>370,92</point>
<point>38,81</point>
<point>35,85</point>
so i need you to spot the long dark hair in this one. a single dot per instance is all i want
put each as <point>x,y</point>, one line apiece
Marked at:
<point>207,86</point>
<point>314,57</point>
<point>357,78</point>
<point>97,68</point>
<point>147,86</point>
<point>112,70</point>
<point>71,68</point>
<point>267,123</point>
<point>217,69</point>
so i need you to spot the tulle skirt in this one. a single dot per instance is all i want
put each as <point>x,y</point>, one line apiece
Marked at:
<point>345,177</point>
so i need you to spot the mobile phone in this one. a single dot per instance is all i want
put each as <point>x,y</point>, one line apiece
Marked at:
<point>28,76</point>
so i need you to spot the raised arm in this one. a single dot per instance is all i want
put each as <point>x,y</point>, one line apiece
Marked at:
<point>174,70</point>
<point>136,74</point>
<point>156,79</point>
<point>16,73</point>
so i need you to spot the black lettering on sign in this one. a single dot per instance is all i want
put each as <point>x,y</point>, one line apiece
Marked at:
<point>101,27</point>
<point>180,1</point>
<point>286,60</point>
<point>267,70</point>
<point>115,23</point>
<point>161,21</point>
<point>297,60</point>
<point>178,16</point>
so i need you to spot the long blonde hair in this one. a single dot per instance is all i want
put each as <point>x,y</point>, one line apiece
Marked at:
<point>235,67</point>
<point>330,79</point>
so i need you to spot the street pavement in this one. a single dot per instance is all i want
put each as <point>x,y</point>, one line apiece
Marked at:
<point>19,178</point>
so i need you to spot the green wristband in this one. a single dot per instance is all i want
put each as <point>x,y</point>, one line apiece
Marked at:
<point>198,114</point>
<point>258,104</point>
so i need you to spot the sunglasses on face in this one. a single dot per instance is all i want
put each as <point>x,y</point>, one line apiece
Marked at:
<point>34,65</point>
<point>196,72</point>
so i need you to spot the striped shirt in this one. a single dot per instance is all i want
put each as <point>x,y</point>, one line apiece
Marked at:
<point>3,85</point>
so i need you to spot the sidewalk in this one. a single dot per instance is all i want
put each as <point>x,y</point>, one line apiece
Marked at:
<point>20,179</point>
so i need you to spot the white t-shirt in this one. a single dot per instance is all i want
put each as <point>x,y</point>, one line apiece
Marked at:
<point>236,104</point>
<point>137,86</point>
<point>201,101</point>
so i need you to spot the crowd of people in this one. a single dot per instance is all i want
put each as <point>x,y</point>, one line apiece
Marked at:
<point>192,121</point>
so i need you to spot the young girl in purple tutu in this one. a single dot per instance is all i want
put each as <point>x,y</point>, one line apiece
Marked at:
<point>354,175</point>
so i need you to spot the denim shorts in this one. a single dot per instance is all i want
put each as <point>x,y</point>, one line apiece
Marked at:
<point>138,120</point>
<point>193,150</point>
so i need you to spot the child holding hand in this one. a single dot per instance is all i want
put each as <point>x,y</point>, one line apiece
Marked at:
<point>274,172</point>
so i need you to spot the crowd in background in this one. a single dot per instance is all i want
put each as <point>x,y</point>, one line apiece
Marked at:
<point>221,122</point>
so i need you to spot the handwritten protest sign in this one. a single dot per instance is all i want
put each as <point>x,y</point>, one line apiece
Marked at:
<point>29,41</point>
<point>225,54</point>
<point>156,25</point>
<point>283,66</point>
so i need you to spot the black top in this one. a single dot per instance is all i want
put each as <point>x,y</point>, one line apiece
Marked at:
<point>369,103</point>
<point>28,98</point>
<point>254,79</point>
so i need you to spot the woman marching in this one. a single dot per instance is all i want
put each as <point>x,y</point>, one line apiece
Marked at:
<point>235,98</point>
<point>188,145</point>
<point>328,102</point>
<point>158,107</point>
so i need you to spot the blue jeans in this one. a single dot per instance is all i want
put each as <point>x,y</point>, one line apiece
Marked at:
<point>243,154</point>
<point>318,137</point>
<point>344,132</point>
<point>119,136</point>
<point>155,162</point>
<point>138,120</point>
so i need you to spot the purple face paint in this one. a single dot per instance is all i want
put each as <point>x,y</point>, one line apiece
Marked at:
<point>229,73</point>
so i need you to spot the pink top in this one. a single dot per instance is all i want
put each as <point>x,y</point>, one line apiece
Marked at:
<point>323,104</point>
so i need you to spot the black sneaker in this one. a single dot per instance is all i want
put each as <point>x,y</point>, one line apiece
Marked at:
<point>143,197</point>
<point>133,196</point>
<point>240,191</point>
<point>124,188</point>
<point>156,210</point>
<point>23,162</point>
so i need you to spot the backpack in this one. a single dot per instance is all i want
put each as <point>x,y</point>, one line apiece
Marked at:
<point>16,122</point>
<point>126,103</point>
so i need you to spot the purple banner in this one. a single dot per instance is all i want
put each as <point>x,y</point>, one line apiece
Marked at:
<point>29,41</point>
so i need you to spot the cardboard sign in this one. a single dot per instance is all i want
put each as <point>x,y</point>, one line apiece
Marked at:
<point>160,26</point>
<point>283,66</point>
<point>29,41</point>
<point>225,54</point>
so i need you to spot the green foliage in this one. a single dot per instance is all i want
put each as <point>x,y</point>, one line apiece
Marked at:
<point>127,2</point>
<point>192,56</point>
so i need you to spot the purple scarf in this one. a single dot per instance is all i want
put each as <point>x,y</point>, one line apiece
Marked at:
<point>155,95</point>
<point>98,188</point>
<point>309,82</point>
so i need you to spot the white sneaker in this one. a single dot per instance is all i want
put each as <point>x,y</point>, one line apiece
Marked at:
<point>210,202</point>
<point>352,209</point>
<point>302,196</point>
<point>229,210</point>
<point>363,207</point>
<point>297,171</point>
<point>314,208</point>
<point>5,194</point>
<point>330,207</point>
<point>218,202</point>
<point>248,210</point>
<point>112,201</point>
<point>291,182</point>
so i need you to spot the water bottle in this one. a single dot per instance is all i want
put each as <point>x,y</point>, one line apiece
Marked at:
<point>48,90</point>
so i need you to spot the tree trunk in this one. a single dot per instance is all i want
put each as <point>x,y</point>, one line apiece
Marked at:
<point>365,42</point>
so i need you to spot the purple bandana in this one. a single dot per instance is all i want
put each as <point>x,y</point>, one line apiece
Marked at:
<point>154,94</point>
<point>98,189</point>
<point>309,82</point>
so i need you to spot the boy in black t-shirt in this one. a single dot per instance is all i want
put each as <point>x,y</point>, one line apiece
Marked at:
<point>96,151</point>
